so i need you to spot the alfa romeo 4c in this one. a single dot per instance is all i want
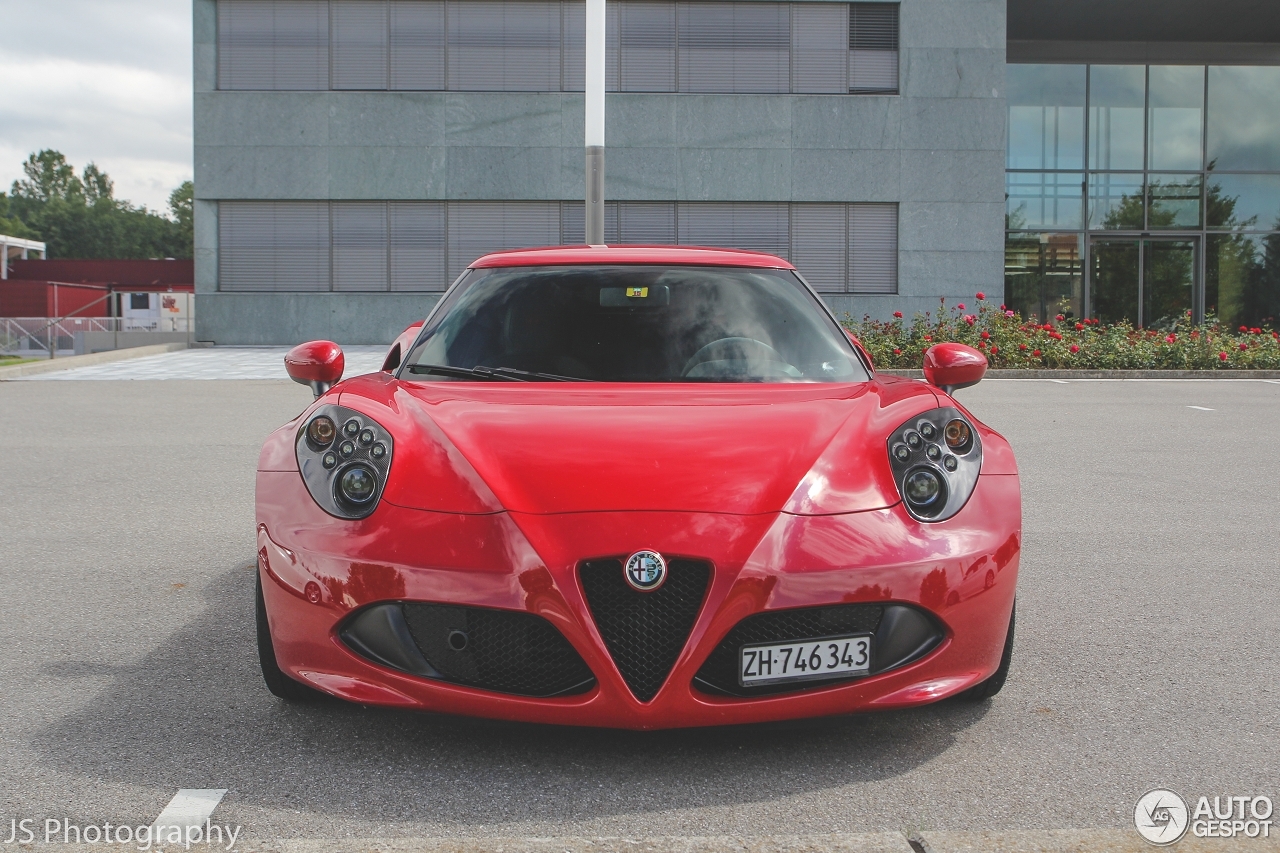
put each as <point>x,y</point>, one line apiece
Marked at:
<point>639,487</point>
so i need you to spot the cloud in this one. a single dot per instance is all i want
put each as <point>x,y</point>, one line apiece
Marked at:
<point>107,82</point>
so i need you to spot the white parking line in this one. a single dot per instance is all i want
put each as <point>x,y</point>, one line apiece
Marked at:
<point>1201,408</point>
<point>189,807</point>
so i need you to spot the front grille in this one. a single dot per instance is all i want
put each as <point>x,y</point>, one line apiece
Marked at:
<point>645,631</point>
<point>502,650</point>
<point>719,674</point>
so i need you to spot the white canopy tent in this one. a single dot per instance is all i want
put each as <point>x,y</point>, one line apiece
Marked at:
<point>16,247</point>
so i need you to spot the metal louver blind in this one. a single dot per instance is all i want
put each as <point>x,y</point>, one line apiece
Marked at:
<point>873,248</point>
<point>504,45</point>
<point>479,227</point>
<point>419,246</point>
<point>734,47</point>
<point>651,223</point>
<point>417,45</point>
<point>273,44</point>
<point>819,53</point>
<point>573,57</point>
<point>819,244</point>
<point>873,47</point>
<point>735,225</point>
<point>573,228</point>
<point>359,246</point>
<point>358,44</point>
<point>647,46</point>
<point>273,246</point>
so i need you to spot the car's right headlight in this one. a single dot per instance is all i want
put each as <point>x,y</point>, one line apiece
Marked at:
<point>344,457</point>
<point>935,457</point>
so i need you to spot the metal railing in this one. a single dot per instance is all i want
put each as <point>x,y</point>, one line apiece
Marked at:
<point>37,336</point>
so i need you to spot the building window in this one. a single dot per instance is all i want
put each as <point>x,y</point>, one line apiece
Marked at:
<point>873,47</point>
<point>752,47</point>
<point>423,246</point>
<point>273,44</point>
<point>1140,192</point>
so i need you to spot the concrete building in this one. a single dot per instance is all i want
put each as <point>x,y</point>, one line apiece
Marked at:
<point>352,156</point>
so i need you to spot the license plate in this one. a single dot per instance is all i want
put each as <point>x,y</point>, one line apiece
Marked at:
<point>804,660</point>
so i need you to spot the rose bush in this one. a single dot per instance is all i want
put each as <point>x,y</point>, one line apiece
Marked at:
<point>1010,342</point>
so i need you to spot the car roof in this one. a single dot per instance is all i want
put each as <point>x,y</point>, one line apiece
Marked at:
<point>688,255</point>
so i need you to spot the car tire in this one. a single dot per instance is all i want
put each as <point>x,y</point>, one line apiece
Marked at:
<point>990,687</point>
<point>278,683</point>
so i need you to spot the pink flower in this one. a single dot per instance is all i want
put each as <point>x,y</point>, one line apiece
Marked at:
<point>1243,347</point>
<point>1171,339</point>
<point>960,307</point>
<point>970,319</point>
<point>1222,356</point>
<point>981,295</point>
<point>1061,318</point>
<point>1008,313</point>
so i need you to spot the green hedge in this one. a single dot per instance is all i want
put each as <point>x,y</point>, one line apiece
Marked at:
<point>1010,342</point>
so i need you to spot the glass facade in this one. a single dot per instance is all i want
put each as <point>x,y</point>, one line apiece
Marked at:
<point>1139,192</point>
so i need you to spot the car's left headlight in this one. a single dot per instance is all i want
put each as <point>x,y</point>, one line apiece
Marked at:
<point>935,457</point>
<point>344,457</point>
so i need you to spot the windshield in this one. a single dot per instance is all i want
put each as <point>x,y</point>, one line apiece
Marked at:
<point>634,324</point>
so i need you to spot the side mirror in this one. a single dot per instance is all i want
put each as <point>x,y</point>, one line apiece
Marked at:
<point>316,363</point>
<point>861,350</point>
<point>954,366</point>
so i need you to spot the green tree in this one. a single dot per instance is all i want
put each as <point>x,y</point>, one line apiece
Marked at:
<point>12,226</point>
<point>49,177</point>
<point>78,216</point>
<point>182,206</point>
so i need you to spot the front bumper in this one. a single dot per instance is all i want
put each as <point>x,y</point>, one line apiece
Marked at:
<point>319,574</point>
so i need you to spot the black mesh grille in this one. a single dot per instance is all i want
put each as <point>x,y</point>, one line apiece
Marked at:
<point>645,631</point>
<point>502,650</point>
<point>720,672</point>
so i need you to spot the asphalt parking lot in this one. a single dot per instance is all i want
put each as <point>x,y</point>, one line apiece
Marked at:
<point>1148,623</point>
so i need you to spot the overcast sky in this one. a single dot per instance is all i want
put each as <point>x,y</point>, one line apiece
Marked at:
<point>107,81</point>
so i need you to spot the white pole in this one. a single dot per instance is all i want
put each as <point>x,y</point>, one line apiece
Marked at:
<point>595,77</point>
<point>4,260</point>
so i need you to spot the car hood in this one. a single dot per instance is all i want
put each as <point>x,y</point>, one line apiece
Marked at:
<point>608,447</point>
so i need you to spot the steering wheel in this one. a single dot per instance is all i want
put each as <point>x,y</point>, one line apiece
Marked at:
<point>734,349</point>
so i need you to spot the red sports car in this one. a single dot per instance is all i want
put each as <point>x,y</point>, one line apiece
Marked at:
<point>638,487</point>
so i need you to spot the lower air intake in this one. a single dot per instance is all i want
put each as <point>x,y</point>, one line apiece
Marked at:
<point>645,631</point>
<point>505,651</point>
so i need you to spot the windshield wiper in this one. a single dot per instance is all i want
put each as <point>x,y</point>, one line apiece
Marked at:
<point>492,374</point>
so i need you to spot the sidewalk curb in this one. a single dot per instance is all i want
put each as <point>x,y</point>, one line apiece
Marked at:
<point>72,361</point>
<point>1109,374</point>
